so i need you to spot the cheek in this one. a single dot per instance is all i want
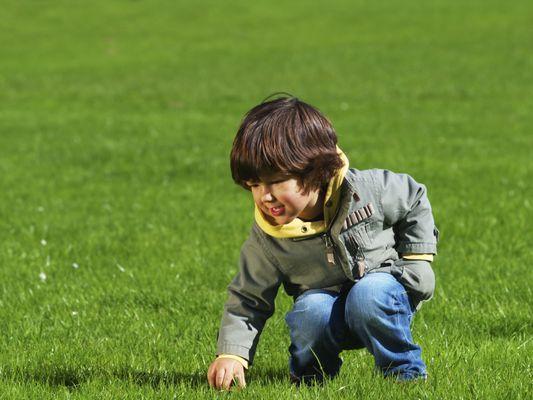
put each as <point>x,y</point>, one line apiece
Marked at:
<point>255,197</point>
<point>293,201</point>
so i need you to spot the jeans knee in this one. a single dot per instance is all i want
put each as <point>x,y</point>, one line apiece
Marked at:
<point>309,318</point>
<point>372,299</point>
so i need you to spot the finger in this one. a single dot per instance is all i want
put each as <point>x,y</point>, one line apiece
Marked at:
<point>240,378</point>
<point>228,379</point>
<point>211,375</point>
<point>220,378</point>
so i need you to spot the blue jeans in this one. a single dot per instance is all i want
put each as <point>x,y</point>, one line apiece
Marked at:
<point>375,313</point>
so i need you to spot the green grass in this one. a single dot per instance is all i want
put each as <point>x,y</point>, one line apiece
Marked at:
<point>116,120</point>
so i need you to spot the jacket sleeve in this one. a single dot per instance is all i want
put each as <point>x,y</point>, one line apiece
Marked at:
<point>406,209</point>
<point>250,302</point>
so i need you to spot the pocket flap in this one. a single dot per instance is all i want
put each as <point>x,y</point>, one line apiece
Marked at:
<point>358,215</point>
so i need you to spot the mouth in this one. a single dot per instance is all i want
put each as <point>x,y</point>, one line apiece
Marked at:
<point>277,211</point>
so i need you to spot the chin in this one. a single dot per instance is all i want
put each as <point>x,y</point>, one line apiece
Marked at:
<point>283,220</point>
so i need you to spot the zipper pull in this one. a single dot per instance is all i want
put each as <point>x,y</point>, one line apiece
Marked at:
<point>330,255</point>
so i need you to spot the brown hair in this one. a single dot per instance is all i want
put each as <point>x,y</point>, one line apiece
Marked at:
<point>286,136</point>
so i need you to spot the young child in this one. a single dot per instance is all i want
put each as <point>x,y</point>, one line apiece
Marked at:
<point>352,247</point>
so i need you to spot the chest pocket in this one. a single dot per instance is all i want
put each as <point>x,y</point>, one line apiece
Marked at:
<point>357,238</point>
<point>356,228</point>
<point>356,235</point>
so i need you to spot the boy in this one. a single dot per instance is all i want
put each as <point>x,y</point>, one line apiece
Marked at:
<point>352,247</point>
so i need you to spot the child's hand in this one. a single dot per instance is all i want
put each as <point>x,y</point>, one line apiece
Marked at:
<point>223,371</point>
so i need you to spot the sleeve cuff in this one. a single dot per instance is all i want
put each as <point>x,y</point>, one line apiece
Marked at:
<point>416,248</point>
<point>413,256</point>
<point>237,358</point>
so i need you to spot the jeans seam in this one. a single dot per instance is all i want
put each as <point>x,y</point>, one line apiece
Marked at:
<point>406,347</point>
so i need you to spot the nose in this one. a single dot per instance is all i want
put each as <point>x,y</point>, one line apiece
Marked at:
<point>266,195</point>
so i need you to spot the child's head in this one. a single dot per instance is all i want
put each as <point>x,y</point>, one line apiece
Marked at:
<point>285,137</point>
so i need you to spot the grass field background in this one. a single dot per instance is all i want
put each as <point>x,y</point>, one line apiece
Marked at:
<point>120,226</point>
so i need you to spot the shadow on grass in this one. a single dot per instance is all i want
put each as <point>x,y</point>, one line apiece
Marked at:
<point>71,378</point>
<point>161,378</point>
<point>52,376</point>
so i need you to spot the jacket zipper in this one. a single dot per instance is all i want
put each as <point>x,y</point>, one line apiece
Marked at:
<point>330,254</point>
<point>330,247</point>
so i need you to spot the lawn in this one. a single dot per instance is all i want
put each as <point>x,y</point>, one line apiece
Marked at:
<point>120,226</point>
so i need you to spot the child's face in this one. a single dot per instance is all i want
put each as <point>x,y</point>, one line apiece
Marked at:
<point>282,199</point>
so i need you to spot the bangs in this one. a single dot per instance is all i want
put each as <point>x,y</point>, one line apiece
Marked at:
<point>284,137</point>
<point>253,160</point>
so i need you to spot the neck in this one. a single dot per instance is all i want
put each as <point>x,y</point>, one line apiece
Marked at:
<point>315,210</point>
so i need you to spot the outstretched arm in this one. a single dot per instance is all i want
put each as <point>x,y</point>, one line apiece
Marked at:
<point>250,303</point>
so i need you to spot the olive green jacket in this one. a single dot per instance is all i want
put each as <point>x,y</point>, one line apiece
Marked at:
<point>380,216</point>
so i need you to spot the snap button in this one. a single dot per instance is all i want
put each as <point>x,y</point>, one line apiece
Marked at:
<point>304,229</point>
